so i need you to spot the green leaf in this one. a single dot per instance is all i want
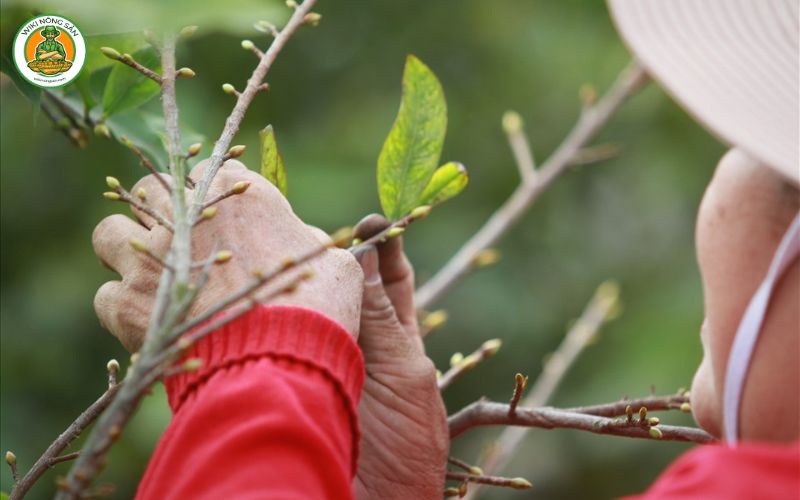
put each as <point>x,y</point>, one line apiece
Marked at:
<point>3,495</point>
<point>123,42</point>
<point>412,149</point>
<point>272,166</point>
<point>448,180</point>
<point>126,88</point>
<point>32,92</point>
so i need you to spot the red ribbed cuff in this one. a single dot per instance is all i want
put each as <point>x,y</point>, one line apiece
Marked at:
<point>281,332</point>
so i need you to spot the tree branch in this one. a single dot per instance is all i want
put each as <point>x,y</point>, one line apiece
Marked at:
<point>591,120</point>
<point>485,351</point>
<point>483,413</point>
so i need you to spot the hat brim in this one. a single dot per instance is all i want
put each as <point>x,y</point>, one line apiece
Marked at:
<point>732,64</point>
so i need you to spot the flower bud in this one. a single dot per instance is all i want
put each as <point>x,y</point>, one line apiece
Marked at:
<point>228,88</point>
<point>111,196</point>
<point>451,492</point>
<point>188,32</point>
<point>138,244</point>
<point>240,187</point>
<point>112,182</point>
<point>11,459</point>
<point>223,256</point>
<point>490,347</point>
<point>642,413</point>
<point>102,129</point>
<point>395,232</point>
<point>434,320</point>
<point>194,149</point>
<point>192,364</point>
<point>312,18</point>
<point>512,122</point>
<point>655,433</point>
<point>126,58</point>
<point>208,213</point>
<point>521,380</point>
<point>686,408</point>
<point>248,45</point>
<point>112,366</point>
<point>486,257</point>
<point>653,421</point>
<point>456,358</point>
<point>186,73</point>
<point>110,53</point>
<point>141,194</point>
<point>629,412</point>
<point>291,4</point>
<point>476,471</point>
<point>236,151</point>
<point>520,483</point>
<point>343,236</point>
<point>420,212</point>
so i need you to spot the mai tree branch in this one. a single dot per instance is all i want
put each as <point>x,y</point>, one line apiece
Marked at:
<point>591,121</point>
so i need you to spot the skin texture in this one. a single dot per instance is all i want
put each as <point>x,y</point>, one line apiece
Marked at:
<point>405,437</point>
<point>404,434</point>
<point>744,214</point>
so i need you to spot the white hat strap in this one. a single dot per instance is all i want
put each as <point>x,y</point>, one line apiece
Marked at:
<point>746,336</point>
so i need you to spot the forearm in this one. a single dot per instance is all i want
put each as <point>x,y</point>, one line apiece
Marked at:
<point>270,413</point>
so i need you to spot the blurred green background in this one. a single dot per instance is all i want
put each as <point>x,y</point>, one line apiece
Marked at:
<point>334,93</point>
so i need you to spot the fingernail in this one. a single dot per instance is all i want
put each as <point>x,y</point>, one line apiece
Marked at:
<point>368,258</point>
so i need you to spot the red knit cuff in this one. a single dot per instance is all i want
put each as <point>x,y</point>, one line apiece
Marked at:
<point>281,332</point>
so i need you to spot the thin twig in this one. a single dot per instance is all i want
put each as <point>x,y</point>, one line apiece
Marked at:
<point>481,413</point>
<point>485,351</point>
<point>128,60</point>
<point>146,163</point>
<point>589,124</point>
<point>675,402</point>
<point>64,458</point>
<point>516,483</point>
<point>599,309</point>
<point>142,206</point>
<point>62,441</point>
<point>243,102</point>
<point>520,381</point>
<point>463,465</point>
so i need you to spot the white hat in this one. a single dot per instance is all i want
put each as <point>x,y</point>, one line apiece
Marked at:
<point>732,64</point>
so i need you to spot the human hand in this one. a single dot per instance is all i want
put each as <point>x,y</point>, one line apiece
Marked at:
<point>257,225</point>
<point>404,433</point>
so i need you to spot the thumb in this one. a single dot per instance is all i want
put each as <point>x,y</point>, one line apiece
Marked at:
<point>381,333</point>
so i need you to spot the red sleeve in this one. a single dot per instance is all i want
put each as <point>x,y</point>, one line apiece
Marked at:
<point>272,413</point>
<point>750,471</point>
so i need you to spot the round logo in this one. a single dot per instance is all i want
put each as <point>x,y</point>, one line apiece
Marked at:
<point>49,51</point>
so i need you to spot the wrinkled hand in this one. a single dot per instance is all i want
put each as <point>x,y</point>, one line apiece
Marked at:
<point>258,226</point>
<point>405,439</point>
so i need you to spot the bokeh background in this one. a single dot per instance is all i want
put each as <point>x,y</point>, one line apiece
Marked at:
<point>334,93</point>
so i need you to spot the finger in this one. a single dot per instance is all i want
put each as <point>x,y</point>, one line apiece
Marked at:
<point>111,241</point>
<point>156,197</point>
<point>107,302</point>
<point>396,271</point>
<point>381,330</point>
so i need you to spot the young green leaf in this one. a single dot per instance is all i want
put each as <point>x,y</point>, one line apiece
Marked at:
<point>411,151</point>
<point>272,166</point>
<point>126,88</point>
<point>447,181</point>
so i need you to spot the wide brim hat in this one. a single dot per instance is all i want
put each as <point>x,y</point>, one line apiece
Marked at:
<point>50,29</point>
<point>732,64</point>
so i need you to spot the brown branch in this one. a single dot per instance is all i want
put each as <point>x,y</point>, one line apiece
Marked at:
<point>518,483</point>
<point>485,351</point>
<point>616,409</point>
<point>128,60</point>
<point>591,120</point>
<point>243,102</point>
<point>464,465</point>
<point>145,162</point>
<point>482,413</point>
<point>599,309</point>
<point>142,206</point>
<point>46,460</point>
<point>520,381</point>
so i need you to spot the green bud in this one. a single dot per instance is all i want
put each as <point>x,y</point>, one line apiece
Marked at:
<point>451,492</point>
<point>11,459</point>
<point>228,89</point>
<point>192,364</point>
<point>312,18</point>
<point>186,73</point>
<point>512,122</point>
<point>486,257</point>
<point>112,182</point>
<point>223,256</point>
<point>236,151</point>
<point>188,32</point>
<point>655,433</point>
<point>138,245</point>
<point>521,380</point>
<point>490,347</point>
<point>126,58</point>
<point>110,53</point>
<point>420,212</point>
<point>476,471</point>
<point>183,343</point>
<point>686,408</point>
<point>456,358</point>
<point>653,421</point>
<point>208,213</point>
<point>248,45</point>
<point>434,320</point>
<point>291,4</point>
<point>112,366</point>
<point>520,483</point>
<point>343,236</point>
<point>102,129</point>
<point>395,232</point>
<point>240,187</point>
<point>642,413</point>
<point>111,196</point>
<point>194,149</point>
<point>141,194</point>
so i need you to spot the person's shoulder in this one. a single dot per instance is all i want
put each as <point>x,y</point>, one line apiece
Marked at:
<point>748,471</point>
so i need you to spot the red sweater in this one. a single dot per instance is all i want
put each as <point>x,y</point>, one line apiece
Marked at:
<point>272,413</point>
